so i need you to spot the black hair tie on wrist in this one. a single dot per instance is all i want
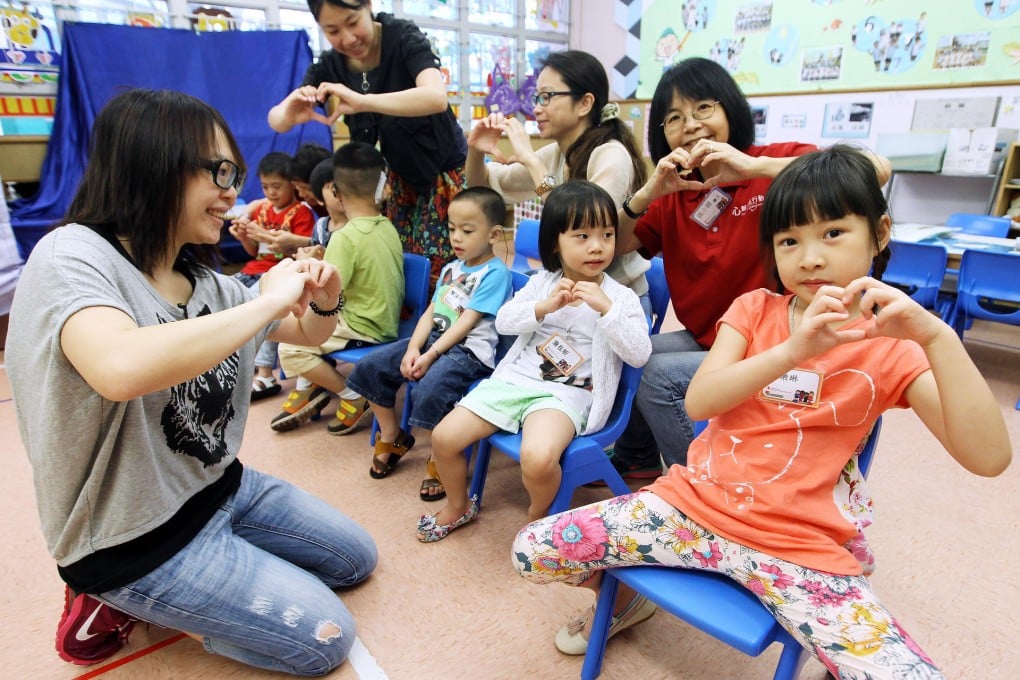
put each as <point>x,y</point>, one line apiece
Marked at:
<point>328,312</point>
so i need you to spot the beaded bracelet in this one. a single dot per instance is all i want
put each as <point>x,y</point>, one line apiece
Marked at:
<point>328,312</point>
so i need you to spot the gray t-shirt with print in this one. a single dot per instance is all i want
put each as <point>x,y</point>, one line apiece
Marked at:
<point>107,472</point>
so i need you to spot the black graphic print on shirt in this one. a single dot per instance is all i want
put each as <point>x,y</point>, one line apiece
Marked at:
<point>195,419</point>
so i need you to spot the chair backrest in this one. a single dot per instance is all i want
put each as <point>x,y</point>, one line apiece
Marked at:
<point>988,288</point>
<point>417,269</point>
<point>504,342</point>
<point>976,223</point>
<point>526,244</point>
<point>658,292</point>
<point>917,269</point>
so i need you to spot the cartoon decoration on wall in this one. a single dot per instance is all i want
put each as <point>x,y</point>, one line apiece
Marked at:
<point>29,52</point>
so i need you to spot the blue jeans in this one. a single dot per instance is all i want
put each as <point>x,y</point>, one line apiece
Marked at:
<point>659,423</point>
<point>256,582</point>
<point>377,377</point>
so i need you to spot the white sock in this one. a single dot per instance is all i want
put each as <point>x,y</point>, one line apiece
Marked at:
<point>303,383</point>
<point>349,394</point>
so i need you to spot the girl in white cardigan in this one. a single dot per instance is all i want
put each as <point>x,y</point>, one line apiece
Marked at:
<point>575,326</point>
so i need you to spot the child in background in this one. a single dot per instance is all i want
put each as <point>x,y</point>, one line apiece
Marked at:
<point>868,347</point>
<point>575,326</point>
<point>454,343</point>
<point>321,185</point>
<point>274,229</point>
<point>368,255</point>
<point>302,164</point>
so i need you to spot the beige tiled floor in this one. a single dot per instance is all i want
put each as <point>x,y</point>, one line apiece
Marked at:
<point>947,544</point>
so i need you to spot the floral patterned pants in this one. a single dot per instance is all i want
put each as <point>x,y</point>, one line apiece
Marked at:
<point>837,618</point>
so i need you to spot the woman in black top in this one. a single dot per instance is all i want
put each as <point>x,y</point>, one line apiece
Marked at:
<point>387,84</point>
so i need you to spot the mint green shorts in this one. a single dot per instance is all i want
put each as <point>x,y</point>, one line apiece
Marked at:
<point>506,405</point>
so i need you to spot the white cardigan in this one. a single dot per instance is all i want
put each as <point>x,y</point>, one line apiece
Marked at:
<point>621,334</point>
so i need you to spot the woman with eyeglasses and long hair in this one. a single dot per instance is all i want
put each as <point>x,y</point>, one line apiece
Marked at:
<point>590,142</point>
<point>130,360</point>
<point>386,82</point>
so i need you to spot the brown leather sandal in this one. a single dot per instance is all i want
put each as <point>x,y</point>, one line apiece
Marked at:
<point>388,454</point>
<point>431,482</point>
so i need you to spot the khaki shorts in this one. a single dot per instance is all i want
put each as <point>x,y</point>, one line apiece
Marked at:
<point>299,359</point>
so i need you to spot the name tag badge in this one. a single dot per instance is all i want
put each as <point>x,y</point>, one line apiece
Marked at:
<point>711,207</point>
<point>455,298</point>
<point>560,354</point>
<point>800,386</point>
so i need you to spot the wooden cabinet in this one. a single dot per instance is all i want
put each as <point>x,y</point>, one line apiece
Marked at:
<point>1009,182</point>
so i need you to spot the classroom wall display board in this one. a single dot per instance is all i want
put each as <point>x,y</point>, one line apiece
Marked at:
<point>773,47</point>
<point>242,74</point>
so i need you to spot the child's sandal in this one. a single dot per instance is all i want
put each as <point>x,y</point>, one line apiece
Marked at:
<point>388,454</point>
<point>431,482</point>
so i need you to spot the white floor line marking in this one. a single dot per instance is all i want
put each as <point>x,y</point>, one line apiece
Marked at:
<point>364,663</point>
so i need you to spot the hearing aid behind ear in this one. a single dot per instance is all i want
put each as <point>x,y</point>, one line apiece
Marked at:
<point>380,186</point>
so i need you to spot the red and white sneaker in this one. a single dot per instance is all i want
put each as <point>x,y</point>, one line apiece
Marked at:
<point>90,631</point>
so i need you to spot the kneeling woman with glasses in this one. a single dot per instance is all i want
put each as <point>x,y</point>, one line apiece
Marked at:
<point>130,360</point>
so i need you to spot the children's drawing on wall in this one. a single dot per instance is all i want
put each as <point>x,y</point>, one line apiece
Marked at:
<point>752,18</point>
<point>781,44</point>
<point>760,116</point>
<point>963,50</point>
<point>825,63</point>
<point>668,47</point>
<point>847,121</point>
<point>998,9</point>
<point>894,46</point>
<point>29,52</point>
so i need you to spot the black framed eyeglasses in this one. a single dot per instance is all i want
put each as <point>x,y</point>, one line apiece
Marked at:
<point>543,98</point>
<point>225,174</point>
<point>701,111</point>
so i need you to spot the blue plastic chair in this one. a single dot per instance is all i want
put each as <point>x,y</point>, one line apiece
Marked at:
<point>918,270</point>
<point>983,225</point>
<point>525,246</point>
<point>584,460</point>
<point>708,601</point>
<point>988,288</point>
<point>518,280</point>
<point>658,292</point>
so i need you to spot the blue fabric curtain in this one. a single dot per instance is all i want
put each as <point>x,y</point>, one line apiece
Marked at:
<point>240,73</point>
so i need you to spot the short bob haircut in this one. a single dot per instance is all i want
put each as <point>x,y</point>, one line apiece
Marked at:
<point>819,186</point>
<point>146,146</point>
<point>578,204</point>
<point>699,79</point>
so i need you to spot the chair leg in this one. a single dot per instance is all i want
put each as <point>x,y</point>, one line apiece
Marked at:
<point>791,660</point>
<point>1018,405</point>
<point>600,624</point>
<point>481,470</point>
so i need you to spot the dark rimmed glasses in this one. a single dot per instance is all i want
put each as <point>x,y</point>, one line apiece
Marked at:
<point>225,174</point>
<point>701,111</point>
<point>543,98</point>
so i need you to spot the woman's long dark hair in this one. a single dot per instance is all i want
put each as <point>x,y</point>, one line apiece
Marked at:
<point>146,145</point>
<point>583,73</point>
